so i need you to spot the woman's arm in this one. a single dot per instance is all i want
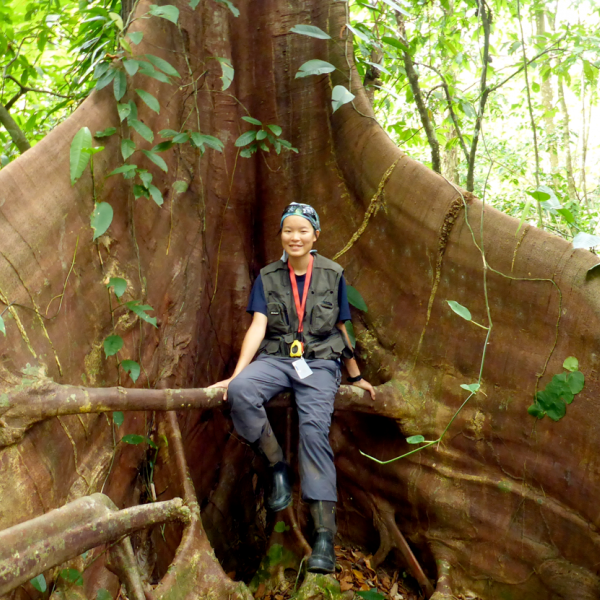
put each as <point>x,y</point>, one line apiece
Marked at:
<point>352,366</point>
<point>252,340</point>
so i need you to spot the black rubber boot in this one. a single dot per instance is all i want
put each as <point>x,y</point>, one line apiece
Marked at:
<point>322,559</point>
<point>281,489</point>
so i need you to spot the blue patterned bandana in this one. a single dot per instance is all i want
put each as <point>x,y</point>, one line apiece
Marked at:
<point>302,210</point>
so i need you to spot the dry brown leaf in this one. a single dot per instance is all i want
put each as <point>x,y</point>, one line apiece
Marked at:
<point>260,592</point>
<point>358,575</point>
<point>394,590</point>
<point>346,586</point>
<point>364,587</point>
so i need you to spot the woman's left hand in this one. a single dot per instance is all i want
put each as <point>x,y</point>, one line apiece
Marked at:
<point>365,385</point>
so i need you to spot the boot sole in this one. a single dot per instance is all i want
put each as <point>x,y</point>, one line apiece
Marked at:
<point>321,568</point>
<point>276,507</point>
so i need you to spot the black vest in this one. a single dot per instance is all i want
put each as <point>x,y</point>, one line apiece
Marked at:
<point>322,339</point>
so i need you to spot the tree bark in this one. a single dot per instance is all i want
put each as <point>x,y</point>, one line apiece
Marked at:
<point>15,132</point>
<point>504,505</point>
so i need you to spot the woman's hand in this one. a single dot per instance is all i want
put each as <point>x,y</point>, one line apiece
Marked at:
<point>365,385</point>
<point>222,384</point>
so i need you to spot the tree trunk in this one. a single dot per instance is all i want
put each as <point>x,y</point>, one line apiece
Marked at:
<point>504,506</point>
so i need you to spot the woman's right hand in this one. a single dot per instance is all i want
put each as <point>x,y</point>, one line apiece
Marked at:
<point>222,384</point>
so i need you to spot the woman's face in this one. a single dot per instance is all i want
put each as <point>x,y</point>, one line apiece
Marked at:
<point>298,236</point>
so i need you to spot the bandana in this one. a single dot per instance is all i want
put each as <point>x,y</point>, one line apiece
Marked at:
<point>302,210</point>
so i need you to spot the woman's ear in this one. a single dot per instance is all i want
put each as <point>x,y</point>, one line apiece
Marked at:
<point>317,235</point>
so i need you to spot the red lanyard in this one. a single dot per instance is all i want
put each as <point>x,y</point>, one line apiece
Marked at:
<point>300,307</point>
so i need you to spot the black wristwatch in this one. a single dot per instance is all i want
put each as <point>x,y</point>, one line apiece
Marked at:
<point>354,379</point>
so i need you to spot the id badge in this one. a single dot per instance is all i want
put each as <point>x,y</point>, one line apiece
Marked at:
<point>302,368</point>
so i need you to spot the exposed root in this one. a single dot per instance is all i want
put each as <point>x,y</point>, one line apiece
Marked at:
<point>512,264</point>
<point>443,589</point>
<point>377,201</point>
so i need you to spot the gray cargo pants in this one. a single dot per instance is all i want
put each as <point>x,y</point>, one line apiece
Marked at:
<point>266,377</point>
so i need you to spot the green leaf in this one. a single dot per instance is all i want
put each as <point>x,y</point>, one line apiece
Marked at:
<point>103,595</point>
<point>124,111</point>
<point>230,6</point>
<point>139,191</point>
<point>133,112</point>
<point>79,158</point>
<point>538,195</point>
<point>168,133</point>
<point>131,66</point>
<point>125,45</point>
<point>156,159</point>
<point>340,96</point>
<point>567,215</point>
<point>261,135</point>
<point>194,4</point>
<point>145,176</point>
<point>118,418</point>
<point>536,411</point>
<point>2,326</point>
<point>116,19</point>
<point>246,138</point>
<point>101,218</point>
<point>415,439</point>
<point>106,79</point>
<point>127,170</point>
<point>142,129</point>
<point>281,527</point>
<point>372,594</point>
<point>310,31</point>
<point>162,65</point>
<point>553,405</point>
<point>356,299</point>
<point>460,310</point>
<point>127,148</point>
<point>392,41</point>
<point>119,85</point>
<point>249,151</point>
<point>351,334</point>
<point>39,583</point>
<point>576,381</point>
<point>131,367</point>
<point>106,133</point>
<point>163,146</point>
<point>471,387</point>
<point>180,186</point>
<point>571,364</point>
<point>72,576</point>
<point>210,140</point>
<point>168,12</point>
<point>252,120</point>
<point>133,439</point>
<point>181,138</point>
<point>155,194</point>
<point>275,129</point>
<point>112,344</point>
<point>140,311</point>
<point>227,70</point>
<point>314,67</point>
<point>585,240</point>
<point>118,284</point>
<point>397,7</point>
<point>135,36</point>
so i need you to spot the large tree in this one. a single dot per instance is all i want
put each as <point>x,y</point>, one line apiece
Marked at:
<point>501,507</point>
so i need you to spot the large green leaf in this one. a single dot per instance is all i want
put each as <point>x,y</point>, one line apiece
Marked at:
<point>101,218</point>
<point>156,159</point>
<point>460,310</point>
<point>163,65</point>
<point>120,85</point>
<point>140,311</point>
<point>228,72</point>
<point>571,364</point>
<point>118,284</point>
<point>340,96</point>
<point>392,41</point>
<point>356,299</point>
<point>576,381</point>
<point>155,194</point>
<point>79,155</point>
<point>310,31</point>
<point>72,576</point>
<point>142,129</point>
<point>314,67</point>
<point>112,344</point>
<point>211,141</point>
<point>127,148</point>
<point>131,66</point>
<point>167,11</point>
<point>246,138</point>
<point>39,583</point>
<point>131,367</point>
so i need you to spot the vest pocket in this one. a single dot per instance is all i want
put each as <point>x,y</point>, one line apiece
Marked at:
<point>277,321</point>
<point>323,318</point>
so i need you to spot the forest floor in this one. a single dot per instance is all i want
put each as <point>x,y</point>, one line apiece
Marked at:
<point>355,574</point>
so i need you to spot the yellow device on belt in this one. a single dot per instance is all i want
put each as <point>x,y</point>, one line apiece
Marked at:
<point>297,347</point>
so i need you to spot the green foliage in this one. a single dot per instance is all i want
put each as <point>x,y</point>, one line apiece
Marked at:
<point>340,96</point>
<point>471,387</point>
<point>112,344</point>
<point>140,311</point>
<point>167,11</point>
<point>559,392</point>
<point>72,576</point>
<point>351,334</point>
<point>314,67</point>
<point>118,284</point>
<point>118,418</point>
<point>415,439</point>
<point>136,440</point>
<point>356,299</point>
<point>311,31</point>
<point>101,218</point>
<point>281,527</point>
<point>131,367</point>
<point>80,153</point>
<point>371,594</point>
<point>2,326</point>
<point>460,310</point>
<point>103,594</point>
<point>39,583</point>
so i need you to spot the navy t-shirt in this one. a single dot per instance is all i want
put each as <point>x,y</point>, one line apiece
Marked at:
<point>258,302</point>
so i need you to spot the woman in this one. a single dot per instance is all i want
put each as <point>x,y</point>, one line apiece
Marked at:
<point>299,306</point>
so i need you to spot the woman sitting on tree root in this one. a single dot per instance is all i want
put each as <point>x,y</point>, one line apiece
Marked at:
<point>299,306</point>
